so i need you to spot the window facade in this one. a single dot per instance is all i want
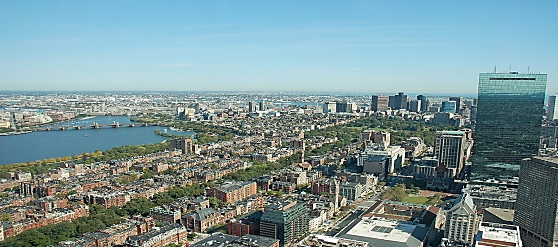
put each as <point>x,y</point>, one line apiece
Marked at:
<point>508,123</point>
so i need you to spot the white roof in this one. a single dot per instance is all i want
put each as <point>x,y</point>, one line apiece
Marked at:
<point>384,229</point>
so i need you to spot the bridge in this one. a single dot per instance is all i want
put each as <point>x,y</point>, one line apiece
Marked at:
<point>93,126</point>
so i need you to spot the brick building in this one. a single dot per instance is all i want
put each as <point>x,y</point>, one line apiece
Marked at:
<point>233,191</point>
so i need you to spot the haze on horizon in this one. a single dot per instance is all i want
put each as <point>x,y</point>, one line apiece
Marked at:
<point>429,47</point>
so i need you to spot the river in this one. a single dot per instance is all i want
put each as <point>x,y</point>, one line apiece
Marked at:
<point>58,143</point>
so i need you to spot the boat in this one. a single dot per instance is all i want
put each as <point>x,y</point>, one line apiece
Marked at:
<point>85,136</point>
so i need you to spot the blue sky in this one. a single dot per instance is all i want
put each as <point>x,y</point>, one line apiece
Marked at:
<point>428,47</point>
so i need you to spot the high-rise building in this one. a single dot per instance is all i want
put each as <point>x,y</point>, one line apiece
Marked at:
<point>183,144</point>
<point>251,106</point>
<point>552,111</point>
<point>262,106</point>
<point>414,105</point>
<point>330,107</point>
<point>458,102</point>
<point>424,102</point>
<point>399,101</point>
<point>285,220</point>
<point>341,106</point>
<point>508,122</point>
<point>449,106</point>
<point>380,103</point>
<point>462,221</point>
<point>536,208</point>
<point>450,149</point>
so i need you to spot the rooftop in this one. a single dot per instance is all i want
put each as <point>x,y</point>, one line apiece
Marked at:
<point>389,233</point>
<point>493,234</point>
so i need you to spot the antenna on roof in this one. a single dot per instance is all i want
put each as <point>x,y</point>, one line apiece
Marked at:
<point>510,68</point>
<point>528,69</point>
<point>494,68</point>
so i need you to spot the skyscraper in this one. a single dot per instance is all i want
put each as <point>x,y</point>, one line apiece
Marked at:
<point>380,102</point>
<point>509,117</point>
<point>449,106</point>
<point>251,106</point>
<point>536,208</point>
<point>399,101</point>
<point>424,103</point>
<point>414,105</point>
<point>552,112</point>
<point>458,102</point>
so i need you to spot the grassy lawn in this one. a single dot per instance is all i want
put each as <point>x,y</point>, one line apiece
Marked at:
<point>417,200</point>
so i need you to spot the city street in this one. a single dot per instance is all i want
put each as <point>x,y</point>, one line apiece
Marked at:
<point>340,226</point>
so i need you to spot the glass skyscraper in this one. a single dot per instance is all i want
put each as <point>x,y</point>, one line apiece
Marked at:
<point>508,124</point>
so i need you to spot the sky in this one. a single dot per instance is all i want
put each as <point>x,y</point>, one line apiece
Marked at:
<point>422,47</point>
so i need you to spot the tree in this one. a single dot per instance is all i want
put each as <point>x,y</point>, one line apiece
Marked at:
<point>215,203</point>
<point>5,217</point>
<point>396,193</point>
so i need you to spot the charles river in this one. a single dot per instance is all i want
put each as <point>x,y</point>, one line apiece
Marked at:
<point>58,143</point>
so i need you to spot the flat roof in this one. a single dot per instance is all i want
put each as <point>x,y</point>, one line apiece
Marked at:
<point>385,232</point>
<point>501,234</point>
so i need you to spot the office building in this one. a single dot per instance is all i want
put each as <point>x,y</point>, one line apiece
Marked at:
<point>252,106</point>
<point>262,106</point>
<point>380,103</point>
<point>552,110</point>
<point>341,106</point>
<point>549,135</point>
<point>449,106</point>
<point>458,102</point>
<point>536,208</point>
<point>414,105</point>
<point>462,221</point>
<point>330,107</point>
<point>451,148</point>
<point>508,122</point>
<point>424,103</point>
<point>487,196</point>
<point>399,101</point>
<point>286,220</point>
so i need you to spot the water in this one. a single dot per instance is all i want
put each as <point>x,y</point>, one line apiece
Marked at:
<point>56,143</point>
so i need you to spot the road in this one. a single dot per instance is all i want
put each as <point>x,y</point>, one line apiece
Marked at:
<point>340,227</point>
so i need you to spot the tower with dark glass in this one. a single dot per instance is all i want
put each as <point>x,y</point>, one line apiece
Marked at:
<point>509,117</point>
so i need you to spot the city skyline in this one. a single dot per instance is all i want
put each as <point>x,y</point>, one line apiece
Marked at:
<point>268,46</point>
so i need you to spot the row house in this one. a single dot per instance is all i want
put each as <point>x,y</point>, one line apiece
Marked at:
<point>107,200</point>
<point>89,185</point>
<point>173,233</point>
<point>164,215</point>
<point>201,220</point>
<point>286,187</point>
<point>117,234</point>
<point>233,191</point>
<point>50,203</point>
